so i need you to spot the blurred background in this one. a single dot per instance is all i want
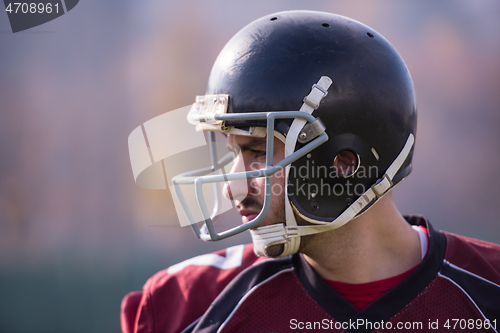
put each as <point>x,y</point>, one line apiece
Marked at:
<point>76,233</point>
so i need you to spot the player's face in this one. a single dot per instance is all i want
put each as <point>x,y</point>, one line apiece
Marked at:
<point>249,194</point>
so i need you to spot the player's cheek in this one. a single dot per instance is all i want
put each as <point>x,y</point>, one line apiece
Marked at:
<point>256,188</point>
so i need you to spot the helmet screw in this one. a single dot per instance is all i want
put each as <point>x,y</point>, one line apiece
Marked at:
<point>303,135</point>
<point>314,206</point>
<point>348,201</point>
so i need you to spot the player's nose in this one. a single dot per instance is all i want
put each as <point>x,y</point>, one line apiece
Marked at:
<point>236,190</point>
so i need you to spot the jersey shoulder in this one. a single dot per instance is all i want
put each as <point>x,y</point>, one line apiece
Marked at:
<point>475,256</point>
<point>473,268</point>
<point>175,297</point>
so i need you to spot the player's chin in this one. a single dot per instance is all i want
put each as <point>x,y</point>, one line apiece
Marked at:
<point>266,223</point>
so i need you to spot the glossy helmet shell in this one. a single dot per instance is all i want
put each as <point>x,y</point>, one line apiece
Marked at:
<point>370,109</point>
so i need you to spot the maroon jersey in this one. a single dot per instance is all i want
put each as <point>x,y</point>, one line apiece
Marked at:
<point>455,288</point>
<point>174,298</point>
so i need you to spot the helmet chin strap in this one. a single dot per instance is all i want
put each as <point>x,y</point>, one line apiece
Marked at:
<point>266,237</point>
<point>289,235</point>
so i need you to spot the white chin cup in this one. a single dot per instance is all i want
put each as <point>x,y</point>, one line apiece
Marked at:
<point>270,235</point>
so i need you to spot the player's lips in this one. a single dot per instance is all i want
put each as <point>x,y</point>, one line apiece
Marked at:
<point>247,215</point>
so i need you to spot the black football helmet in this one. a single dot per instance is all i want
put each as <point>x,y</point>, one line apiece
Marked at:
<point>332,89</point>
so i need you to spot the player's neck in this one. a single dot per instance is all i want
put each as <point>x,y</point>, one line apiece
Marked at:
<point>377,245</point>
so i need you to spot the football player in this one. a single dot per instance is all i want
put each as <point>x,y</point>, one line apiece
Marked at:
<point>318,114</point>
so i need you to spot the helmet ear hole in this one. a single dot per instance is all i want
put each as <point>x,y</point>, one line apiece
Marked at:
<point>346,163</point>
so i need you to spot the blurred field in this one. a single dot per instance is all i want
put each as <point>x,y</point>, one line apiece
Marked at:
<point>76,234</point>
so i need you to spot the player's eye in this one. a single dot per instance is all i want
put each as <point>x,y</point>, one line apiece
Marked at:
<point>258,153</point>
